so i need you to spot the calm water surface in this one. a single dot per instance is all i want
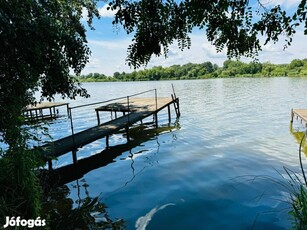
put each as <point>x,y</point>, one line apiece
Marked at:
<point>217,167</point>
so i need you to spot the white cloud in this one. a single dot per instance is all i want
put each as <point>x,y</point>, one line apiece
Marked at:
<point>275,53</point>
<point>200,51</point>
<point>210,51</point>
<point>116,44</point>
<point>107,56</point>
<point>93,64</point>
<point>103,12</point>
<point>84,16</point>
<point>110,56</point>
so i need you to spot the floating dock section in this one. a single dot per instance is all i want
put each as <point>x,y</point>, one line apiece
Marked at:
<point>43,110</point>
<point>132,109</point>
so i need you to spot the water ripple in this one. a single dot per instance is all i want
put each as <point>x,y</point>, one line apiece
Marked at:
<point>225,161</point>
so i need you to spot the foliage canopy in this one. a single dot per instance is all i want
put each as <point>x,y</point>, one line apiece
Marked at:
<point>40,42</point>
<point>232,24</point>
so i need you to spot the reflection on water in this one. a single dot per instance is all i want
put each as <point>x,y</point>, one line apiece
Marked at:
<point>89,213</point>
<point>222,169</point>
<point>300,138</point>
<point>138,135</point>
<point>143,221</point>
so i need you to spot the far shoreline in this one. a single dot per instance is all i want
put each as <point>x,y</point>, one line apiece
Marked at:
<point>206,70</point>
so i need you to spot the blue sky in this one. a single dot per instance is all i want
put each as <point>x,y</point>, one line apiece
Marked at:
<point>109,46</point>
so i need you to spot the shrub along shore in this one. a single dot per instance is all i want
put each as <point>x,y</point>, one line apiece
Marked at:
<point>230,68</point>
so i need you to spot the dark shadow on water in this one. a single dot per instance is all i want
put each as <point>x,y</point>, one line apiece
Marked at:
<point>138,136</point>
<point>62,212</point>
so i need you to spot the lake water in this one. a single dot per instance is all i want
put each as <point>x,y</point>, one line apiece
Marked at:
<point>219,166</point>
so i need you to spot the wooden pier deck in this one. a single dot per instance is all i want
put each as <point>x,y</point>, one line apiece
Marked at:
<point>135,105</point>
<point>137,109</point>
<point>299,114</point>
<point>36,112</point>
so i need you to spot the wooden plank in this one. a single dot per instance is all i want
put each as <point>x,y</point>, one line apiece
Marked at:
<point>135,104</point>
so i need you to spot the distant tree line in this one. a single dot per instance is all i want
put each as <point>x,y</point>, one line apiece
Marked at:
<point>204,70</point>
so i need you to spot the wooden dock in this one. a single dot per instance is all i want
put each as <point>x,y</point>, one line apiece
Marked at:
<point>136,105</point>
<point>133,110</point>
<point>299,114</point>
<point>43,110</point>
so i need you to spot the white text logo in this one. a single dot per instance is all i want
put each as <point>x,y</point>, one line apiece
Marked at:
<point>31,223</point>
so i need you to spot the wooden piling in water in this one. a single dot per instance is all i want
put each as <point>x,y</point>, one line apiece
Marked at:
<point>169,114</point>
<point>107,141</point>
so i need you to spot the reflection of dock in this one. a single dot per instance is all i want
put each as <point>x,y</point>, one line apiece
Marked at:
<point>72,172</point>
<point>299,137</point>
<point>134,110</point>
<point>299,114</point>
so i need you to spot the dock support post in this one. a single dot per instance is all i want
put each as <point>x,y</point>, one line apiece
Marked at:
<point>50,165</point>
<point>98,117</point>
<point>292,115</point>
<point>127,133</point>
<point>169,114</point>
<point>74,156</point>
<point>36,115</point>
<point>156,99</point>
<point>156,119</point>
<point>50,111</point>
<point>128,119</point>
<point>107,141</point>
<point>74,151</point>
<point>68,110</point>
<point>177,102</point>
